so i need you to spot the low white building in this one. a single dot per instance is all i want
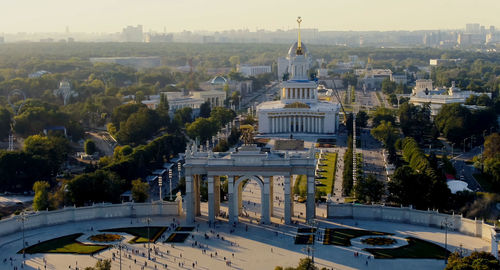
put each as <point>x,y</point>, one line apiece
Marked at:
<point>249,71</point>
<point>298,110</point>
<point>423,93</point>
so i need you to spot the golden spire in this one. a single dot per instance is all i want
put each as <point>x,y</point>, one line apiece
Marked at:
<point>299,43</point>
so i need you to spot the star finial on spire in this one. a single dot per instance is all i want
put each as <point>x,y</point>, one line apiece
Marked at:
<point>299,43</point>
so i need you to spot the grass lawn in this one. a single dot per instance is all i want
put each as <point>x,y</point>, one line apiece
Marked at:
<point>141,233</point>
<point>304,239</point>
<point>342,237</point>
<point>177,238</point>
<point>64,244</point>
<point>416,248</point>
<point>328,176</point>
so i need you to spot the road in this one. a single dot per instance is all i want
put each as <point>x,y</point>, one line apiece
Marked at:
<point>260,96</point>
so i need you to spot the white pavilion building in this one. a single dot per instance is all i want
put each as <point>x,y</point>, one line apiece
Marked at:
<point>299,110</point>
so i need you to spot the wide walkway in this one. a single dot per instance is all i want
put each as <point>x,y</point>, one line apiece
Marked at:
<point>254,247</point>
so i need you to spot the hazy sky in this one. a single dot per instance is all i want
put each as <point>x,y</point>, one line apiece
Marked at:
<point>215,15</point>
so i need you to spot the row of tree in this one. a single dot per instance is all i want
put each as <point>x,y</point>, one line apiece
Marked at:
<point>420,182</point>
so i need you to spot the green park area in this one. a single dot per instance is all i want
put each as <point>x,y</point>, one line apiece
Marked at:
<point>416,249</point>
<point>342,237</point>
<point>65,244</point>
<point>327,166</point>
<point>141,234</point>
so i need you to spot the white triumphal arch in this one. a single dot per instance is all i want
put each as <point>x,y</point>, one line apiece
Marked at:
<point>246,163</point>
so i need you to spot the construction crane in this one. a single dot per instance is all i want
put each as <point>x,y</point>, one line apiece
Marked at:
<point>336,94</point>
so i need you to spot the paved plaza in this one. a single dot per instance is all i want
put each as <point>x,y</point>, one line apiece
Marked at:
<point>254,246</point>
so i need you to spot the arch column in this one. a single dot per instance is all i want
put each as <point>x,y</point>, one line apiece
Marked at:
<point>196,194</point>
<point>189,200</point>
<point>310,204</point>
<point>211,199</point>
<point>231,197</point>
<point>265,202</point>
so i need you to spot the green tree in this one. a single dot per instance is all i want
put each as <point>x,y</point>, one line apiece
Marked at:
<point>139,97</point>
<point>349,78</point>
<point>476,260</point>
<point>369,189</point>
<point>101,265</point>
<point>41,199</point>
<point>386,133</point>
<point>5,121</point>
<point>222,115</point>
<point>203,128</point>
<point>306,264</point>
<point>382,114</point>
<point>139,127</point>
<point>53,149</point>
<point>140,190</point>
<point>183,116</point>
<point>235,98</point>
<point>415,121</point>
<point>388,86</point>
<point>89,147</point>
<point>222,146</point>
<point>205,109</point>
<point>98,186</point>
<point>361,119</point>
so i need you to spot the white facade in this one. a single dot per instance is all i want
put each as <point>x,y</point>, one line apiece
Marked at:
<point>298,110</point>
<point>424,94</point>
<point>253,70</point>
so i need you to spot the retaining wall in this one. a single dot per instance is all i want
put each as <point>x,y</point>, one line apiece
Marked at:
<point>408,215</point>
<point>96,211</point>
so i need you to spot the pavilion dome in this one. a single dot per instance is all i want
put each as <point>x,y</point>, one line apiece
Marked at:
<point>218,80</point>
<point>293,49</point>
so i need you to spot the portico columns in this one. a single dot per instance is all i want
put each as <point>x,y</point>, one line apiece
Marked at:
<point>189,200</point>
<point>288,200</point>
<point>310,205</point>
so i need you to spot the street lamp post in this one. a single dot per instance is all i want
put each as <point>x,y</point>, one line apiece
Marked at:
<point>119,246</point>
<point>22,218</point>
<point>464,142</point>
<point>148,220</point>
<point>179,168</point>
<point>160,183</point>
<point>170,182</point>
<point>447,224</point>
<point>313,225</point>
<point>452,149</point>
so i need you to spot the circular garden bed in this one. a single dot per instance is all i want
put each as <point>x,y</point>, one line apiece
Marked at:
<point>378,241</point>
<point>105,237</point>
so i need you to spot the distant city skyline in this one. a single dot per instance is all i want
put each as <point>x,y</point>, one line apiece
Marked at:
<point>109,16</point>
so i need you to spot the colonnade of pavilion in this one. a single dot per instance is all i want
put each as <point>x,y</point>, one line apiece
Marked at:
<point>297,123</point>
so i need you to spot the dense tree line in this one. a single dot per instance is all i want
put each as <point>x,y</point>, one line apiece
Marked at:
<point>40,159</point>
<point>347,177</point>
<point>419,183</point>
<point>415,121</point>
<point>457,122</point>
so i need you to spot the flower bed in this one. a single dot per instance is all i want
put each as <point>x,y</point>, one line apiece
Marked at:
<point>378,241</point>
<point>105,237</point>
